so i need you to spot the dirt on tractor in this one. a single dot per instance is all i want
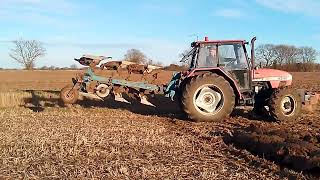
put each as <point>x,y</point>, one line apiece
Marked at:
<point>42,138</point>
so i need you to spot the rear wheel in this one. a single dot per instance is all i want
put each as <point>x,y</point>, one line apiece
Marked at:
<point>285,105</point>
<point>69,94</point>
<point>180,91</point>
<point>208,97</point>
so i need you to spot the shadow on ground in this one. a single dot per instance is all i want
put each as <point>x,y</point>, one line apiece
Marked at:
<point>40,100</point>
<point>164,107</point>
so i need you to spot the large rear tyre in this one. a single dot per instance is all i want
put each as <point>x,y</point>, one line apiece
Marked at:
<point>69,94</point>
<point>285,105</point>
<point>208,97</point>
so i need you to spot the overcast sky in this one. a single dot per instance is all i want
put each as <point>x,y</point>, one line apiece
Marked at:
<point>160,28</point>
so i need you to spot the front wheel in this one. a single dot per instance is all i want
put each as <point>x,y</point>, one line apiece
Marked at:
<point>69,94</point>
<point>285,105</point>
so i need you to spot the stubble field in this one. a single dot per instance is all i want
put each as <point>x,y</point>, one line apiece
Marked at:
<point>40,138</point>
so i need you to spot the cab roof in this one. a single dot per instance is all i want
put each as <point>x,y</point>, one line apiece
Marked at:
<point>206,40</point>
<point>221,41</point>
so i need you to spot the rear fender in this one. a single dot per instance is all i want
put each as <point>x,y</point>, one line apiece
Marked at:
<point>221,72</point>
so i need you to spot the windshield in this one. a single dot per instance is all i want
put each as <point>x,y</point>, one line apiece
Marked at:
<point>230,56</point>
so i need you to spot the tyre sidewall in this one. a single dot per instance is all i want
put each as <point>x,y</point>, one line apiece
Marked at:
<point>214,80</point>
<point>276,100</point>
<point>64,92</point>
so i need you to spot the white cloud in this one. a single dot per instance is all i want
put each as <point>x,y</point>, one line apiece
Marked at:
<point>306,7</point>
<point>229,13</point>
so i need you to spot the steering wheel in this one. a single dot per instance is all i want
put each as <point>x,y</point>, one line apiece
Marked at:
<point>230,60</point>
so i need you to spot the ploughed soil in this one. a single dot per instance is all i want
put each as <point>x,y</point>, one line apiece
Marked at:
<point>44,139</point>
<point>292,145</point>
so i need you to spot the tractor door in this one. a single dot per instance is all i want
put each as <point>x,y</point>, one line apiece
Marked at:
<point>232,58</point>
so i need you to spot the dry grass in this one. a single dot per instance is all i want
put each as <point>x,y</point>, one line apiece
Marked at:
<point>13,98</point>
<point>27,98</point>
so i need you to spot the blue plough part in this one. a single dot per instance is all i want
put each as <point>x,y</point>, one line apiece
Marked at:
<point>170,91</point>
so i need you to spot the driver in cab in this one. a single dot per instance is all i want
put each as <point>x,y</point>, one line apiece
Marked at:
<point>212,58</point>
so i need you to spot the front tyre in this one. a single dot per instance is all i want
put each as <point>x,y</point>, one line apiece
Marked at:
<point>285,105</point>
<point>69,94</point>
<point>208,97</point>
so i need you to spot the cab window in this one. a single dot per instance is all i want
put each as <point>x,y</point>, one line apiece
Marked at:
<point>232,56</point>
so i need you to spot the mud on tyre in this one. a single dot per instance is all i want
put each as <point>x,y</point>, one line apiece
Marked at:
<point>208,97</point>
<point>285,105</point>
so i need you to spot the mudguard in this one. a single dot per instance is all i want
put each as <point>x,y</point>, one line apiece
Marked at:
<point>220,72</point>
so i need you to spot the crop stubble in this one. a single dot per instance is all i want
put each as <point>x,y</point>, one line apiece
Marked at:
<point>114,140</point>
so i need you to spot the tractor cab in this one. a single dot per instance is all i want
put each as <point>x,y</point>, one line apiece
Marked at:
<point>228,56</point>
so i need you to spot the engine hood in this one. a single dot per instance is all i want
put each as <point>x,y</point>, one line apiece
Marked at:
<point>275,77</point>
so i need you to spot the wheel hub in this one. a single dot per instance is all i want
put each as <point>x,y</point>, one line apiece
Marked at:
<point>288,105</point>
<point>70,94</point>
<point>103,90</point>
<point>208,99</point>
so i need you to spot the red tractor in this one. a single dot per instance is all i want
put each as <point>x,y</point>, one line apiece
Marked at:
<point>222,76</point>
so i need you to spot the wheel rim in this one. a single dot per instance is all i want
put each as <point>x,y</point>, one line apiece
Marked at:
<point>69,94</point>
<point>288,105</point>
<point>208,100</point>
<point>103,90</point>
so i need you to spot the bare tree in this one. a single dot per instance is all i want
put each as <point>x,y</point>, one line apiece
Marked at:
<point>287,57</point>
<point>266,54</point>
<point>307,54</point>
<point>26,52</point>
<point>136,56</point>
<point>286,54</point>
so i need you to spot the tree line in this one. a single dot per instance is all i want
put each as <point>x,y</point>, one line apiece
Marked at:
<point>27,52</point>
<point>287,57</point>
